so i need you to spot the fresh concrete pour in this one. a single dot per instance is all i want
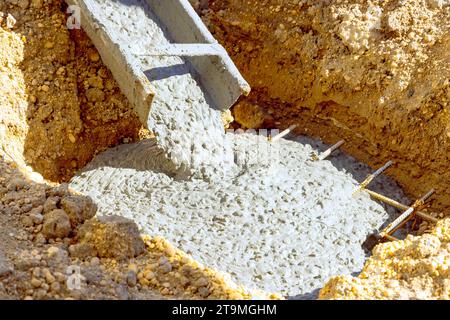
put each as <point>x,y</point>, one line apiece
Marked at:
<point>283,224</point>
<point>263,212</point>
<point>181,109</point>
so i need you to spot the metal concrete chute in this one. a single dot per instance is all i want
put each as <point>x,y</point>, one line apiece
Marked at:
<point>192,39</point>
<point>186,37</point>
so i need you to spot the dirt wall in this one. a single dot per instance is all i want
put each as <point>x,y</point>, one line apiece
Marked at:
<point>60,105</point>
<point>375,73</point>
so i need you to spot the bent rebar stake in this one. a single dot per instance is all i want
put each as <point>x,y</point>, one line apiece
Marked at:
<point>283,133</point>
<point>402,219</point>
<point>400,206</point>
<point>363,185</point>
<point>377,237</point>
<point>327,152</point>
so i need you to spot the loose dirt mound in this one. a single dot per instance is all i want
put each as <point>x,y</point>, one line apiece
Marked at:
<point>373,72</point>
<point>416,268</point>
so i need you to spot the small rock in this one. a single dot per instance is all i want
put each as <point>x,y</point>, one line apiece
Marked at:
<point>16,184</point>
<point>56,224</point>
<point>55,287</point>
<point>112,237</point>
<point>92,276</point>
<point>82,250</point>
<point>59,191</point>
<point>95,262</point>
<point>27,221</point>
<point>78,208</point>
<point>203,292</point>
<point>37,218</point>
<point>201,282</point>
<point>95,95</point>
<point>10,21</point>
<point>48,276</point>
<point>122,292</point>
<point>149,275</point>
<point>37,3</point>
<point>60,71</point>
<point>49,45</point>
<point>164,265</point>
<point>72,138</point>
<point>93,55</point>
<point>51,204</point>
<point>37,210</point>
<point>5,267</point>
<point>40,294</point>
<point>40,239</point>
<point>26,260</point>
<point>36,283</point>
<point>131,278</point>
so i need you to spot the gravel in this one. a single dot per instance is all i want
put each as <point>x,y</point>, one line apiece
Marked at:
<point>278,221</point>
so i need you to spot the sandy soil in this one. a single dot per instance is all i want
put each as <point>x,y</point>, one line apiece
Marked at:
<point>416,268</point>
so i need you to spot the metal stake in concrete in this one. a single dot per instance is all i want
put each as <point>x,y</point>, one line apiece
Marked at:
<point>363,185</point>
<point>400,206</point>
<point>283,133</point>
<point>404,217</point>
<point>328,152</point>
<point>376,238</point>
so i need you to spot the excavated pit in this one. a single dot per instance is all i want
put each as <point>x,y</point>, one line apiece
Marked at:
<point>287,202</point>
<point>273,225</point>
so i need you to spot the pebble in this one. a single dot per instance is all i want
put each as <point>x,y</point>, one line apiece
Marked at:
<point>10,21</point>
<point>131,278</point>
<point>93,55</point>
<point>95,261</point>
<point>55,287</point>
<point>27,221</point>
<point>49,277</point>
<point>203,292</point>
<point>149,275</point>
<point>56,224</point>
<point>37,218</point>
<point>72,138</point>
<point>49,45</point>
<point>36,283</point>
